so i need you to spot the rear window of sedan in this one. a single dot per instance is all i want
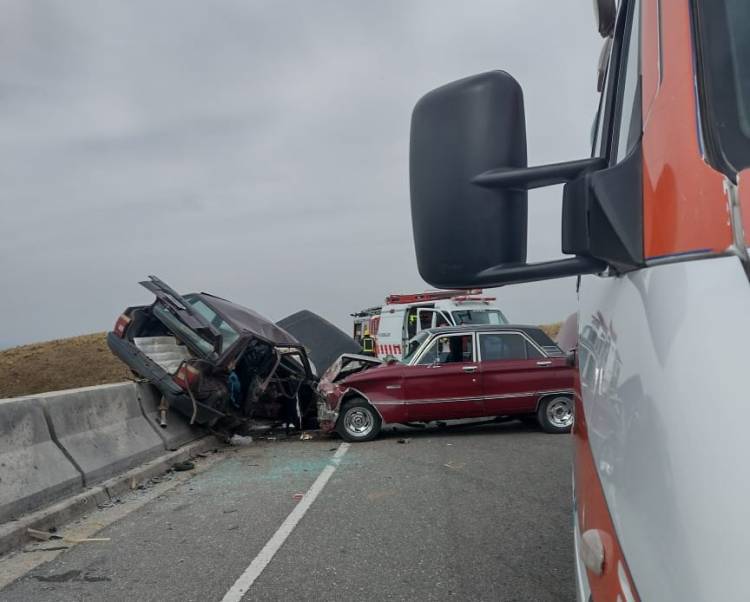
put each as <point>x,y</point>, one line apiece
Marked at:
<point>228,334</point>
<point>506,346</point>
<point>546,343</point>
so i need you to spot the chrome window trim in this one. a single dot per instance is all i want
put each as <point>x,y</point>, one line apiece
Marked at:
<point>426,345</point>
<point>520,332</point>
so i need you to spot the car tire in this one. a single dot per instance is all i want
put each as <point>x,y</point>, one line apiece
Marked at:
<point>555,414</point>
<point>358,421</point>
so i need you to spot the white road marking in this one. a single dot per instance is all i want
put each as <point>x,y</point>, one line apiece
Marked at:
<point>260,562</point>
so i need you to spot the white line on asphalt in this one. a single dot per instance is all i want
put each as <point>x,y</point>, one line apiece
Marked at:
<point>274,544</point>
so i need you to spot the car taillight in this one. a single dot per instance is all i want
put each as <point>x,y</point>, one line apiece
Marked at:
<point>122,325</point>
<point>186,375</point>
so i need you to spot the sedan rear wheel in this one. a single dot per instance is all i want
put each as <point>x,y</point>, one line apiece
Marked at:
<point>358,421</point>
<point>555,414</point>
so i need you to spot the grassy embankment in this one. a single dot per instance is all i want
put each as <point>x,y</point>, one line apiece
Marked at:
<point>75,362</point>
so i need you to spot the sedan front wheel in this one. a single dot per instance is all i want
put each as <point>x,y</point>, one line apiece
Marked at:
<point>555,414</point>
<point>358,421</point>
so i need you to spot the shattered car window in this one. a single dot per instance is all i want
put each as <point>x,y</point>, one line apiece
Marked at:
<point>181,331</point>
<point>333,369</point>
<point>228,334</point>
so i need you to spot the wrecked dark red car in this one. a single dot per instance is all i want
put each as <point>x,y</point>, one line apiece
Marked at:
<point>476,371</point>
<point>216,362</point>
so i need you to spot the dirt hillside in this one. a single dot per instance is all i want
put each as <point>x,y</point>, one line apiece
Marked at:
<point>62,364</point>
<point>551,329</point>
<point>76,362</point>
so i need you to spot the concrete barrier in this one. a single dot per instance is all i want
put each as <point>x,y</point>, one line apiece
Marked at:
<point>102,429</point>
<point>178,431</point>
<point>33,469</point>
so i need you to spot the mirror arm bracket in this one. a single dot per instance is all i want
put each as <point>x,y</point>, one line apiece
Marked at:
<point>545,270</point>
<point>527,178</point>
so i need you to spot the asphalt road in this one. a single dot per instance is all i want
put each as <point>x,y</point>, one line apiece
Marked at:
<point>479,513</point>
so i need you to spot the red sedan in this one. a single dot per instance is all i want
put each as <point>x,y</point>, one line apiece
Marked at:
<point>475,371</point>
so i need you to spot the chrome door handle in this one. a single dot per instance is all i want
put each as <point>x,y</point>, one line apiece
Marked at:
<point>547,363</point>
<point>469,368</point>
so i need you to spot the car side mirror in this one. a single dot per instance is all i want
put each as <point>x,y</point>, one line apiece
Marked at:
<point>469,183</point>
<point>605,13</point>
<point>458,132</point>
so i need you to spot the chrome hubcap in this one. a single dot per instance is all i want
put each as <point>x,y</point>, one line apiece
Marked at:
<point>358,422</point>
<point>560,412</point>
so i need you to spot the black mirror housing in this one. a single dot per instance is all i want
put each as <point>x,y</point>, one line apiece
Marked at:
<point>458,132</point>
<point>469,187</point>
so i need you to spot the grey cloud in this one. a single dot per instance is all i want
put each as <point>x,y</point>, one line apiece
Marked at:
<point>258,150</point>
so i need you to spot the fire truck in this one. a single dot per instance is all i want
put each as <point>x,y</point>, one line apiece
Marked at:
<point>655,226</point>
<point>386,330</point>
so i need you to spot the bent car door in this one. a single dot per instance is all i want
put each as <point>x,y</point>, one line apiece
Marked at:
<point>514,372</point>
<point>444,383</point>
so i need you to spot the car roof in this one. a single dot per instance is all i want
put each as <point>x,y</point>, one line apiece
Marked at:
<point>486,328</point>
<point>246,320</point>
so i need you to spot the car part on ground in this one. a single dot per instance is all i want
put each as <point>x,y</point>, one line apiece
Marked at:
<point>218,363</point>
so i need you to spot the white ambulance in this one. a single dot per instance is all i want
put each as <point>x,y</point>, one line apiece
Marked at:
<point>387,330</point>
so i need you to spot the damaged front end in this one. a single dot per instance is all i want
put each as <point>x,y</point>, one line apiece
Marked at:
<point>332,387</point>
<point>218,363</point>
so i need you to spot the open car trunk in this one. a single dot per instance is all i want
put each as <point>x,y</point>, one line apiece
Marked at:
<point>215,361</point>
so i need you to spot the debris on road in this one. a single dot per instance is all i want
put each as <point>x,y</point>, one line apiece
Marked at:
<point>109,504</point>
<point>47,536</point>
<point>36,548</point>
<point>298,496</point>
<point>240,440</point>
<point>404,441</point>
<point>306,437</point>
<point>182,466</point>
<point>42,535</point>
<point>453,466</point>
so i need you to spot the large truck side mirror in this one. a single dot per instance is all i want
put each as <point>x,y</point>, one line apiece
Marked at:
<point>469,184</point>
<point>458,132</point>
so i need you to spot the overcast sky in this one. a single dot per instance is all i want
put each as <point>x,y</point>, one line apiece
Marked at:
<point>254,149</point>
